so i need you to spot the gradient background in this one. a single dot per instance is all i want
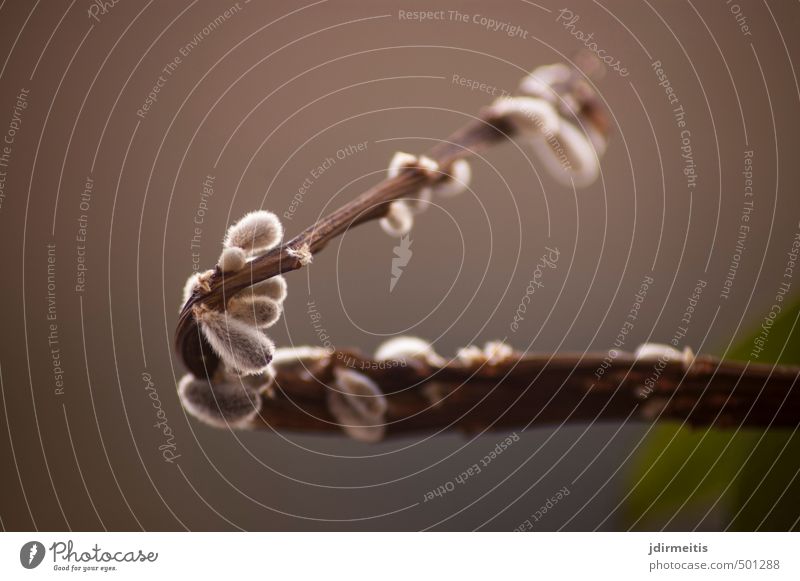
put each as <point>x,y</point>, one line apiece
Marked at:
<point>258,104</point>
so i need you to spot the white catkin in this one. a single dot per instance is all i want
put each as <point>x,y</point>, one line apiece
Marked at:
<point>584,159</point>
<point>274,288</point>
<point>358,404</point>
<point>232,259</point>
<point>242,347</point>
<point>302,353</point>
<point>399,161</point>
<point>225,404</point>
<point>656,351</point>
<point>575,162</point>
<point>399,221</point>
<point>406,347</point>
<point>255,232</point>
<point>471,355</point>
<point>531,117</point>
<point>457,182</point>
<point>258,311</point>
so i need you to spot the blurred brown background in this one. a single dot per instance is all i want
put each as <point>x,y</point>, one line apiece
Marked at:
<point>261,95</point>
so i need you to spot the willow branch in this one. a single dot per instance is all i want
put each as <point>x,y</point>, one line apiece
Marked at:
<point>533,390</point>
<point>427,394</point>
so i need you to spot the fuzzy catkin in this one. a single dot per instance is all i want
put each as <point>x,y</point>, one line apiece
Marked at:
<point>255,232</point>
<point>224,404</point>
<point>274,288</point>
<point>358,404</point>
<point>258,311</point>
<point>399,220</point>
<point>400,161</point>
<point>577,160</point>
<point>232,259</point>
<point>456,182</point>
<point>406,347</point>
<point>531,117</point>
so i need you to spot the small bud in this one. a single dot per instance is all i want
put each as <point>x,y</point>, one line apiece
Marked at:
<point>255,232</point>
<point>258,311</point>
<point>456,182</point>
<point>399,221</point>
<point>404,348</point>
<point>274,288</point>
<point>531,117</point>
<point>225,404</point>
<point>358,404</point>
<point>232,259</point>
<point>242,347</point>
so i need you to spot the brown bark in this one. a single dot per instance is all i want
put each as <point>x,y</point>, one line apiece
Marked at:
<point>542,389</point>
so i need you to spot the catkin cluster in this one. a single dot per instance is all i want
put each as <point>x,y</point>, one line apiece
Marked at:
<point>237,333</point>
<point>400,218</point>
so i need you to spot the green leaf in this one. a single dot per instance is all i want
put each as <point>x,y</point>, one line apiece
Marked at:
<point>713,479</point>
